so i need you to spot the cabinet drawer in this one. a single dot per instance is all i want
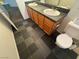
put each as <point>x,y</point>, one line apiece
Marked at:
<point>40,20</point>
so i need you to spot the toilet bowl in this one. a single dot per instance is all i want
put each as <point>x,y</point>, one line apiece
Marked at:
<point>71,31</point>
<point>64,41</point>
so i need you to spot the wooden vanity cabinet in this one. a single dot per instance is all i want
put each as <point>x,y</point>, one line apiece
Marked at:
<point>44,23</point>
<point>49,26</point>
<point>35,15</point>
<point>30,13</point>
<point>40,20</point>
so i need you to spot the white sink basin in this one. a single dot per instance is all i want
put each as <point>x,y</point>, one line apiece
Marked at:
<point>51,12</point>
<point>33,4</point>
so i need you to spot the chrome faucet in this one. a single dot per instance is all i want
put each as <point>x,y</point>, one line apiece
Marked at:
<point>58,2</point>
<point>56,5</point>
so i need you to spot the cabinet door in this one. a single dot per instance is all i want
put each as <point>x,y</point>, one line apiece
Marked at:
<point>30,13</point>
<point>28,10</point>
<point>49,26</point>
<point>35,15</point>
<point>40,20</point>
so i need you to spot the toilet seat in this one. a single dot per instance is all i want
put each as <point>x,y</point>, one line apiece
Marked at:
<point>64,41</point>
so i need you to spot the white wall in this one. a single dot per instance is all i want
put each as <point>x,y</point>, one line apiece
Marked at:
<point>8,49</point>
<point>74,13</point>
<point>22,8</point>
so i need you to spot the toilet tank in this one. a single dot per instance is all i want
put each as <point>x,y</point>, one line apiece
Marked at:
<point>72,29</point>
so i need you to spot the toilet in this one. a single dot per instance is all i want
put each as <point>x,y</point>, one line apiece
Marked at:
<point>65,40</point>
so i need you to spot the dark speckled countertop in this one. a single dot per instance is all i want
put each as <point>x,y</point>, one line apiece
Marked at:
<point>40,9</point>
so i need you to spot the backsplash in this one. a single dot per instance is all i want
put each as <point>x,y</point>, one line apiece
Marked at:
<point>53,2</point>
<point>66,3</point>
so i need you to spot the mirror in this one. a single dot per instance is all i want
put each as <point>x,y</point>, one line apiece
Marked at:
<point>52,2</point>
<point>60,3</point>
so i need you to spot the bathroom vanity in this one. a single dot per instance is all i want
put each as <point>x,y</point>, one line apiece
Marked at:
<point>46,22</point>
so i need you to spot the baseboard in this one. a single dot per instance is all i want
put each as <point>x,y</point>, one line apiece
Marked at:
<point>27,19</point>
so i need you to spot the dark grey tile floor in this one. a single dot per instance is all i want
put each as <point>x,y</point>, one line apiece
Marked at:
<point>29,42</point>
<point>33,43</point>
